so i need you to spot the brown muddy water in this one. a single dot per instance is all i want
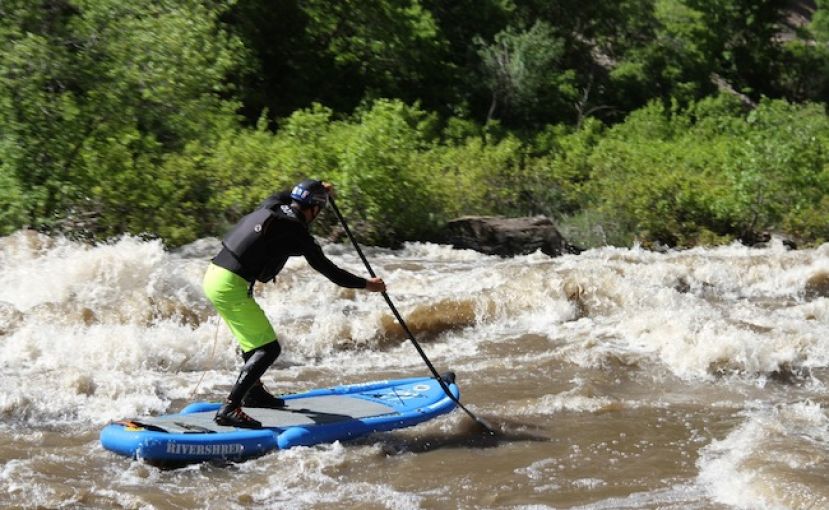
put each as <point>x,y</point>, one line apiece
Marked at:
<point>618,378</point>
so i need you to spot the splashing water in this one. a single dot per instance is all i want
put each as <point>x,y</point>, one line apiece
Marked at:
<point>619,378</point>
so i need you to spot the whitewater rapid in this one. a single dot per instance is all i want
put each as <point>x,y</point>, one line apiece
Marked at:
<point>687,379</point>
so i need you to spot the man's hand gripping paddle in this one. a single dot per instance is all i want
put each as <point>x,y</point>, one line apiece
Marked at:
<point>402,323</point>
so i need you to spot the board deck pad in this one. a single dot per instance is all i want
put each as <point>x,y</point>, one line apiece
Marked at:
<point>301,411</point>
<point>317,416</point>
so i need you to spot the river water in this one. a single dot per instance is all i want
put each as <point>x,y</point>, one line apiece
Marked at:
<point>618,378</point>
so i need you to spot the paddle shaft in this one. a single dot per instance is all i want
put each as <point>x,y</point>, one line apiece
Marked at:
<point>403,323</point>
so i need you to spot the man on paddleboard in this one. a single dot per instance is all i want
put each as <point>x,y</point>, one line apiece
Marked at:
<point>257,249</point>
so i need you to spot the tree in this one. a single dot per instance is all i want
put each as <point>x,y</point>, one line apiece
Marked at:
<point>820,22</point>
<point>805,75</point>
<point>522,72</point>
<point>672,65</point>
<point>337,53</point>
<point>40,118</point>
<point>95,93</point>
<point>745,45</point>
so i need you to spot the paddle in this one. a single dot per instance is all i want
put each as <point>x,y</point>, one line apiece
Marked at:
<point>402,323</point>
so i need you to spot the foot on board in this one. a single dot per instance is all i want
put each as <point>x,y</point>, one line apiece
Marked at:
<point>230,416</point>
<point>258,396</point>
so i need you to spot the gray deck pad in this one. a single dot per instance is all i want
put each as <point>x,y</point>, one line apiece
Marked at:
<point>297,412</point>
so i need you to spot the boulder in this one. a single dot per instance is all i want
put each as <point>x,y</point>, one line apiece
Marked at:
<point>817,286</point>
<point>507,236</point>
<point>763,240</point>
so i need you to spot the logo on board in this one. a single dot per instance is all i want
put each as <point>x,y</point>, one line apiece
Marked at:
<point>205,449</point>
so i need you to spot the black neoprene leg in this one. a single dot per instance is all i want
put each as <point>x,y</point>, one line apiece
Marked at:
<point>257,362</point>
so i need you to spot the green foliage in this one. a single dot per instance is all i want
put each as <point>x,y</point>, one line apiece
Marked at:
<point>477,176</point>
<point>378,174</point>
<point>12,203</point>
<point>174,118</point>
<point>41,121</point>
<point>707,174</point>
<point>806,60</point>
<point>806,74</point>
<point>673,62</point>
<point>338,53</point>
<point>565,157</point>
<point>96,94</point>
<point>782,172</point>
<point>517,69</point>
<point>820,22</point>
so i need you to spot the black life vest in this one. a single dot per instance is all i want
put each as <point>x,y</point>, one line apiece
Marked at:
<point>247,240</point>
<point>248,232</point>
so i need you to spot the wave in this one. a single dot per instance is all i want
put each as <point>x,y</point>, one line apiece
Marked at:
<point>776,459</point>
<point>130,310</point>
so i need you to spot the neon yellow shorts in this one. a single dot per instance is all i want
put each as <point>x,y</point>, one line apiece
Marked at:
<point>229,294</point>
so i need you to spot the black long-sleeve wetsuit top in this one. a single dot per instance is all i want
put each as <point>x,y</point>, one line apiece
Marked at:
<point>267,245</point>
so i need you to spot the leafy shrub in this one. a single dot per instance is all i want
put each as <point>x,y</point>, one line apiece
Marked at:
<point>678,177</point>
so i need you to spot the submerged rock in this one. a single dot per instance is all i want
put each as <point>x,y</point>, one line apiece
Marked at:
<point>817,286</point>
<point>10,317</point>
<point>507,236</point>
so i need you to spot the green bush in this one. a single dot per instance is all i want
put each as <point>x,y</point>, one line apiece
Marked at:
<point>377,172</point>
<point>12,203</point>
<point>712,173</point>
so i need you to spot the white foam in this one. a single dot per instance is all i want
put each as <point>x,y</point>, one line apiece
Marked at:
<point>569,400</point>
<point>104,274</point>
<point>319,467</point>
<point>677,497</point>
<point>636,303</point>
<point>441,252</point>
<point>759,464</point>
<point>125,328</point>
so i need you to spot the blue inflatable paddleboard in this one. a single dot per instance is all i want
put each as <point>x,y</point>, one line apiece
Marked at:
<point>318,416</point>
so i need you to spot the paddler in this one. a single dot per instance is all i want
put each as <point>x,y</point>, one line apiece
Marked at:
<point>257,249</point>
